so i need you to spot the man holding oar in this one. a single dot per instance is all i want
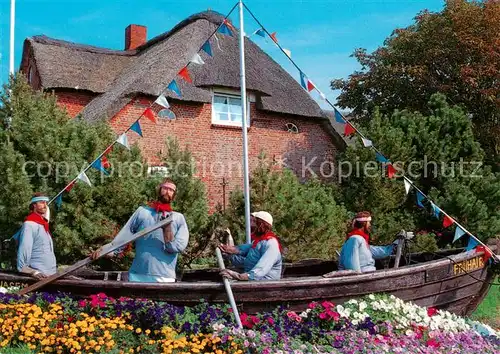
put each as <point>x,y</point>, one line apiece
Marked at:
<point>260,260</point>
<point>156,253</point>
<point>35,254</point>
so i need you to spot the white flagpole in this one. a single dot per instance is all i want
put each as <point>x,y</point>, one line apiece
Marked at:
<point>12,21</point>
<point>246,182</point>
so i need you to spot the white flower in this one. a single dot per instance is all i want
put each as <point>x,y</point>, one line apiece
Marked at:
<point>371,297</point>
<point>3,290</point>
<point>353,301</point>
<point>362,306</point>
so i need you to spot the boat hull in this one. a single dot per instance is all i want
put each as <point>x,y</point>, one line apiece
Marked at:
<point>457,284</point>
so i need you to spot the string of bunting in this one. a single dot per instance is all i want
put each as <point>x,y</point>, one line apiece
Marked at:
<point>101,162</point>
<point>350,129</point>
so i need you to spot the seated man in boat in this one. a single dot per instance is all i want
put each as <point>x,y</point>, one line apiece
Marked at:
<point>357,254</point>
<point>156,253</point>
<point>260,260</point>
<point>35,253</point>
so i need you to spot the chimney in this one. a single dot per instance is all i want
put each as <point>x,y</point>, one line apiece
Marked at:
<point>135,36</point>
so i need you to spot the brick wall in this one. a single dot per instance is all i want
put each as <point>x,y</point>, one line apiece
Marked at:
<point>73,102</point>
<point>218,150</point>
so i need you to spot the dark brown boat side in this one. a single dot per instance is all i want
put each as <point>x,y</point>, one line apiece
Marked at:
<point>457,286</point>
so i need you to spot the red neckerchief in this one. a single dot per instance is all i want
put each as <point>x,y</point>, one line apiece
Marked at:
<point>39,220</point>
<point>267,236</point>
<point>160,207</point>
<point>360,232</point>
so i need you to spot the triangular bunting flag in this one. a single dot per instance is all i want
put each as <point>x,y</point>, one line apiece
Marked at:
<point>173,87</point>
<point>349,129</point>
<point>420,199</point>
<point>162,101</point>
<point>390,171</point>
<point>83,177</point>
<point>98,166</point>
<point>197,59</point>
<point>105,163</point>
<point>487,252</point>
<point>472,243</point>
<point>149,114</point>
<point>224,30</point>
<point>136,127</point>
<point>184,73</point>
<point>303,80</point>
<point>322,95</point>
<point>367,142</point>
<point>288,52</point>
<point>260,32</point>
<point>380,157</point>
<point>339,118</point>
<point>407,186</point>
<point>229,25</point>
<point>122,139</point>
<point>310,85</point>
<point>435,210</point>
<point>459,232</point>
<point>273,37</point>
<point>70,186</point>
<point>58,201</point>
<point>207,48</point>
<point>447,221</point>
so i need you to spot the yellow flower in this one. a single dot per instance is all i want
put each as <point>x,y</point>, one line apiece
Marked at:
<point>138,330</point>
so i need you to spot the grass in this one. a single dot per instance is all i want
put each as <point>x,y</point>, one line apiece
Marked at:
<point>21,349</point>
<point>489,310</point>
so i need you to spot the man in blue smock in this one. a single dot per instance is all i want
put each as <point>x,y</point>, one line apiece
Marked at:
<point>155,253</point>
<point>35,254</point>
<point>260,260</point>
<point>357,254</point>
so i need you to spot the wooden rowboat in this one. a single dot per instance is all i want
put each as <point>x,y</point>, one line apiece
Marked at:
<point>453,280</point>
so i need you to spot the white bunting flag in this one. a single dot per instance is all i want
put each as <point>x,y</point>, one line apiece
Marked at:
<point>197,59</point>
<point>368,143</point>
<point>162,101</point>
<point>122,139</point>
<point>83,177</point>
<point>288,52</point>
<point>322,95</point>
<point>407,186</point>
<point>458,233</point>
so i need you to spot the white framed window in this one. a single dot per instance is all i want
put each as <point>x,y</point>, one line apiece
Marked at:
<point>226,109</point>
<point>158,171</point>
<point>31,74</point>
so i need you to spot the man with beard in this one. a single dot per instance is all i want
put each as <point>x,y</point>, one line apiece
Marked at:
<point>35,254</point>
<point>156,253</point>
<point>260,260</point>
<point>357,254</point>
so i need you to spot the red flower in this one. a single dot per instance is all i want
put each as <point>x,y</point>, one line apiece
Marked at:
<point>82,303</point>
<point>432,343</point>
<point>327,304</point>
<point>270,320</point>
<point>323,315</point>
<point>312,305</point>
<point>431,311</point>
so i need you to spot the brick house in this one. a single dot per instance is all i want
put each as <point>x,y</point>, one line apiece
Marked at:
<point>113,85</point>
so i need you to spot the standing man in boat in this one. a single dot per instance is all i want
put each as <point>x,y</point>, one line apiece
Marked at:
<point>156,253</point>
<point>260,260</point>
<point>357,254</point>
<point>35,254</point>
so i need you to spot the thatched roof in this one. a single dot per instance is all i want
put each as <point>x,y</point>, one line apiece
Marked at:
<point>119,75</point>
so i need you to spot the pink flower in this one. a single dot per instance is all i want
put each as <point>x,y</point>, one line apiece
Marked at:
<point>254,319</point>
<point>323,315</point>
<point>312,305</point>
<point>102,296</point>
<point>334,315</point>
<point>291,314</point>
<point>431,311</point>
<point>82,303</point>
<point>270,320</point>
<point>327,304</point>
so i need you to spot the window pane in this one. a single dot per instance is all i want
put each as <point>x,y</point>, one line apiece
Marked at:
<point>236,117</point>
<point>222,116</point>
<point>220,104</point>
<point>235,105</point>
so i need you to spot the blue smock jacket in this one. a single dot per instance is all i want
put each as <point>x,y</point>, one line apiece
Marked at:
<point>263,262</point>
<point>357,255</point>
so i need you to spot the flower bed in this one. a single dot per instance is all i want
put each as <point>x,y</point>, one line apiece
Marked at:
<point>375,324</point>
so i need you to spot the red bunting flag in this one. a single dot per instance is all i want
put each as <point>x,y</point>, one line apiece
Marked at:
<point>273,37</point>
<point>487,252</point>
<point>70,186</point>
<point>184,73</point>
<point>105,162</point>
<point>149,114</point>
<point>349,130</point>
<point>447,222</point>
<point>390,171</point>
<point>230,25</point>
<point>310,86</point>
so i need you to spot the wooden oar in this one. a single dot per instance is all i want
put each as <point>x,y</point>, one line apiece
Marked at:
<point>228,289</point>
<point>107,248</point>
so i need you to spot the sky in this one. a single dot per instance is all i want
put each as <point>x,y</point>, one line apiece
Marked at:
<point>321,34</point>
